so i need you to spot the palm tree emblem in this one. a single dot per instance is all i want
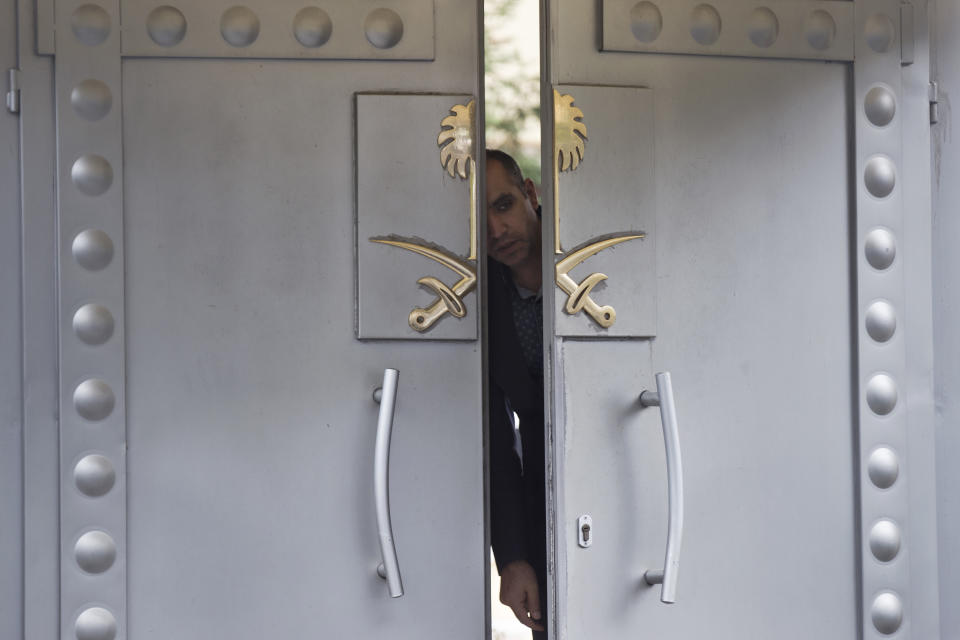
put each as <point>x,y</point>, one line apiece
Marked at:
<point>456,141</point>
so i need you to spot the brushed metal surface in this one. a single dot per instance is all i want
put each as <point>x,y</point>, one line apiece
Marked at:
<point>12,387</point>
<point>41,472</point>
<point>738,146</point>
<point>250,424</point>
<point>945,44</point>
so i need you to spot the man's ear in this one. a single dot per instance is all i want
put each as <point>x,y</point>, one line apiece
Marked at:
<point>531,190</point>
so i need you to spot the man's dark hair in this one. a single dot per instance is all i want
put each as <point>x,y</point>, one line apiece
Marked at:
<point>509,164</point>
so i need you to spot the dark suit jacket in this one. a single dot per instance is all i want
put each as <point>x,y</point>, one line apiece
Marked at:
<point>517,493</point>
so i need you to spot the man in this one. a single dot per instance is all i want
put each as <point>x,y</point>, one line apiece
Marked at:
<point>515,320</point>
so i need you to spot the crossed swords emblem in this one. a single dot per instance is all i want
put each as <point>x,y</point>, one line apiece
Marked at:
<point>456,143</point>
<point>450,299</point>
<point>578,294</point>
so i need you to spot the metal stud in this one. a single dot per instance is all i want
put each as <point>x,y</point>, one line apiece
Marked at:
<point>881,394</point>
<point>886,612</point>
<point>383,28</point>
<point>93,324</point>
<point>820,29</point>
<point>96,623</point>
<point>880,248</point>
<point>880,176</point>
<point>91,99</point>
<point>763,28</point>
<point>880,106</point>
<point>94,475</point>
<point>885,540</point>
<point>92,174</point>
<point>90,24</point>
<point>312,27</point>
<point>93,399</point>
<point>879,32</point>
<point>166,26</point>
<point>239,26</point>
<point>646,22</point>
<point>705,24</point>
<point>92,249</point>
<point>881,320</point>
<point>883,467</point>
<point>95,551</point>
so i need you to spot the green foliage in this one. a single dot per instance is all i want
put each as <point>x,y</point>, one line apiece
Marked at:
<point>512,91</point>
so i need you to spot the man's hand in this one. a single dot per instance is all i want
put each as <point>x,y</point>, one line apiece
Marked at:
<point>519,591</point>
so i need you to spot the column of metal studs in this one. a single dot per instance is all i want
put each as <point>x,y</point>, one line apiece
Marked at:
<point>91,289</point>
<point>882,359</point>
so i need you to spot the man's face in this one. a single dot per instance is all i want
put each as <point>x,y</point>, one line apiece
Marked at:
<point>513,229</point>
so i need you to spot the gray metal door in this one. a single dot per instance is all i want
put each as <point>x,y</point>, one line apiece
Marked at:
<point>728,210</point>
<point>261,209</point>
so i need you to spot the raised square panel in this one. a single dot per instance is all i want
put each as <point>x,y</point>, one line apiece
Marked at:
<point>819,30</point>
<point>358,29</point>
<point>612,193</point>
<point>405,195</point>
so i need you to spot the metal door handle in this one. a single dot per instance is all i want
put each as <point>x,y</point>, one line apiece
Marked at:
<point>663,398</point>
<point>387,397</point>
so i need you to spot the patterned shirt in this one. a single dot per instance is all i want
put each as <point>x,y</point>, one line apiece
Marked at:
<point>528,321</point>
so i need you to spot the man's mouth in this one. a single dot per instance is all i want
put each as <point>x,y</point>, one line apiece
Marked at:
<point>507,247</point>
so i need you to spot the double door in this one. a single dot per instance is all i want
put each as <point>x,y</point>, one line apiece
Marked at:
<point>261,209</point>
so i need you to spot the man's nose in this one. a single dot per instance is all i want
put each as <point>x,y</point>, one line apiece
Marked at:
<point>495,227</point>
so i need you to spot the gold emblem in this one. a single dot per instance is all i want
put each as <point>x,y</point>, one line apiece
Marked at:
<point>569,143</point>
<point>578,294</point>
<point>449,299</point>
<point>456,142</point>
<point>456,156</point>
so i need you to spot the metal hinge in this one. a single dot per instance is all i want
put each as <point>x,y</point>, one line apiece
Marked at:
<point>933,92</point>
<point>13,90</point>
<point>906,34</point>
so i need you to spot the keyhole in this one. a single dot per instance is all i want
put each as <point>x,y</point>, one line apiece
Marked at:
<point>585,532</point>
